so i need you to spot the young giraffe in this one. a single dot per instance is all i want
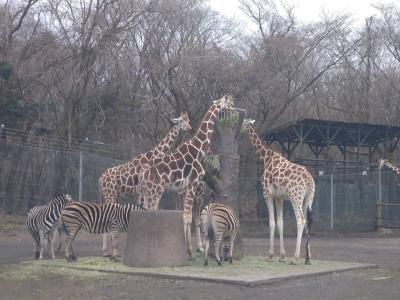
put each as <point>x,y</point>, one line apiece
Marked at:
<point>282,177</point>
<point>384,162</point>
<point>123,179</point>
<point>182,170</point>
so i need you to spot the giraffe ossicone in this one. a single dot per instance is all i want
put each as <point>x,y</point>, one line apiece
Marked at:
<point>182,170</point>
<point>283,178</point>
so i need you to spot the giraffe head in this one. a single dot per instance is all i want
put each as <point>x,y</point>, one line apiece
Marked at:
<point>226,102</point>
<point>382,162</point>
<point>247,123</point>
<point>183,121</point>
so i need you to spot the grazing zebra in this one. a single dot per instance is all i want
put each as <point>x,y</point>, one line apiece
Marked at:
<point>41,222</point>
<point>95,218</point>
<point>218,221</point>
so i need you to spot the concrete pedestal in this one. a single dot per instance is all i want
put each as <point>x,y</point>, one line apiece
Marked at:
<point>155,239</point>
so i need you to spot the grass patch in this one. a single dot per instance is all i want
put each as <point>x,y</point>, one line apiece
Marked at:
<point>11,223</point>
<point>37,271</point>
<point>248,265</point>
<point>229,120</point>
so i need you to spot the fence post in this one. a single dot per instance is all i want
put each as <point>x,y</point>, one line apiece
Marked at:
<point>332,195</point>
<point>81,168</point>
<point>379,204</point>
<point>1,132</point>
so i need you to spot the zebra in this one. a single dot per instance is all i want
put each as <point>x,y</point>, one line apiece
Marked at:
<point>95,218</point>
<point>41,222</point>
<point>218,221</point>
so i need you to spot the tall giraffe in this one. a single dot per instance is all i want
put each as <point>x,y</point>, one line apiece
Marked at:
<point>123,179</point>
<point>384,162</point>
<point>182,170</point>
<point>280,178</point>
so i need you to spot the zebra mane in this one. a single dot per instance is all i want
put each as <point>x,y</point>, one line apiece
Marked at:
<point>60,199</point>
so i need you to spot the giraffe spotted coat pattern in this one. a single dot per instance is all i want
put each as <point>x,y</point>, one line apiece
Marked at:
<point>182,170</point>
<point>384,162</point>
<point>283,178</point>
<point>124,179</point>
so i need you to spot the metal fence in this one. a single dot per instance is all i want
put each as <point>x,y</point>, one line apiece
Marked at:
<point>31,173</point>
<point>346,202</point>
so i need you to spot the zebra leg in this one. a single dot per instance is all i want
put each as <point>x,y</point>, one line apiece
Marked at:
<point>51,239</point>
<point>105,245</point>
<point>69,238</point>
<point>36,238</point>
<point>114,246</point>
<point>60,243</point>
<point>217,242</point>
<point>43,243</point>
<point>231,246</point>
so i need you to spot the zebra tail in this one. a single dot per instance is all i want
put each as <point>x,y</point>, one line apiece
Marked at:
<point>210,229</point>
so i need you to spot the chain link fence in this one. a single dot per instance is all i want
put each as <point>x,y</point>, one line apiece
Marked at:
<point>32,172</point>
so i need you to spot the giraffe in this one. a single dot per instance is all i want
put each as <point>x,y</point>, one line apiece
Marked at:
<point>280,178</point>
<point>123,179</point>
<point>384,162</point>
<point>182,170</point>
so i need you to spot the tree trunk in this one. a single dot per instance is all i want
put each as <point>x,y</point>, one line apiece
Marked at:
<point>226,183</point>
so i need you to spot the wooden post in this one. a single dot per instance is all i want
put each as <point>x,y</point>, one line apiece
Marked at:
<point>379,203</point>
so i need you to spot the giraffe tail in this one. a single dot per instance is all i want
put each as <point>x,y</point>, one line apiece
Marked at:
<point>309,219</point>
<point>308,230</point>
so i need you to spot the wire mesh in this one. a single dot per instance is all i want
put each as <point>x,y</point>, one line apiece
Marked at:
<point>32,172</point>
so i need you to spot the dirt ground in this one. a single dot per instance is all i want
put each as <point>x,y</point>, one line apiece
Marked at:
<point>380,283</point>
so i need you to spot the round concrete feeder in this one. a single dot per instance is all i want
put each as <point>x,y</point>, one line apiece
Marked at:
<point>155,239</point>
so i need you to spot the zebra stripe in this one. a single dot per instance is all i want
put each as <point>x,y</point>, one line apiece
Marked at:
<point>41,221</point>
<point>96,218</point>
<point>218,221</point>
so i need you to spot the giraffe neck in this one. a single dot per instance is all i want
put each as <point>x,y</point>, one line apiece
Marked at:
<point>166,143</point>
<point>264,152</point>
<point>201,140</point>
<point>394,168</point>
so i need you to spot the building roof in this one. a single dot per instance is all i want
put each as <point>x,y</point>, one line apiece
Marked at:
<point>322,133</point>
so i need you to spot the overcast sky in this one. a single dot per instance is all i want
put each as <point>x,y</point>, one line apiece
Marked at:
<point>310,10</point>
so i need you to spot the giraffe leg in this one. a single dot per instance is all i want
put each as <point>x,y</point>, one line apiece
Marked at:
<point>196,208</point>
<point>206,246</point>
<point>199,246</point>
<point>300,220</point>
<point>187,217</point>
<point>279,223</point>
<point>271,215</point>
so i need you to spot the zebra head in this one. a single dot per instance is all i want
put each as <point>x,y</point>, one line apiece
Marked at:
<point>68,198</point>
